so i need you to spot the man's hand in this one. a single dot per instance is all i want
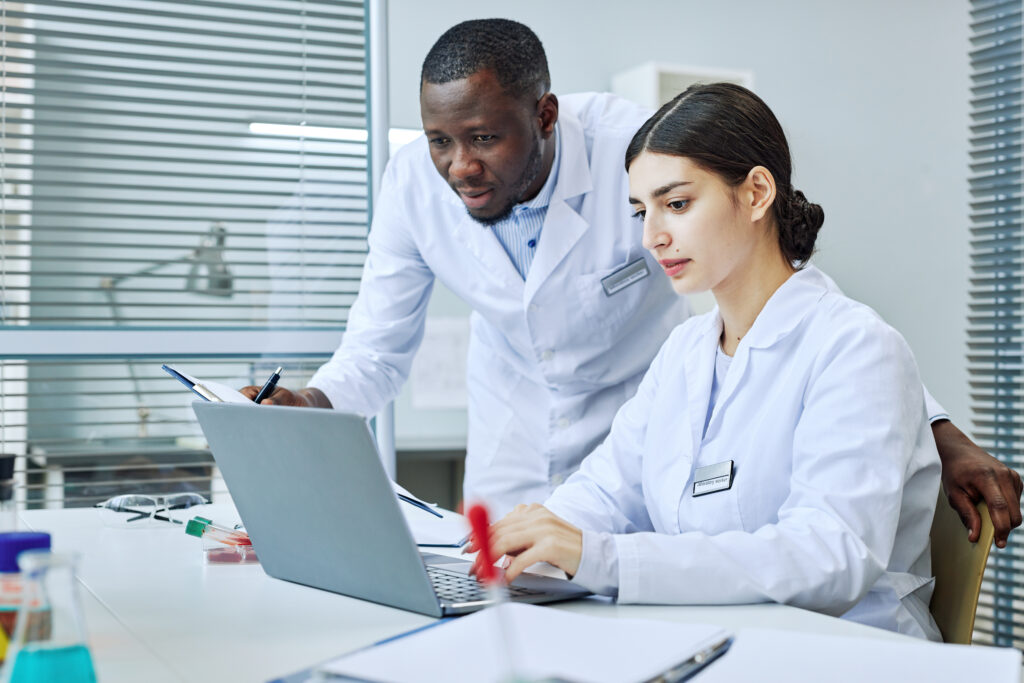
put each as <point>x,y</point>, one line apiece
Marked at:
<point>531,534</point>
<point>970,475</point>
<point>304,398</point>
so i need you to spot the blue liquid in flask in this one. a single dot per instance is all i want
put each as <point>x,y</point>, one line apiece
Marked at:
<point>66,664</point>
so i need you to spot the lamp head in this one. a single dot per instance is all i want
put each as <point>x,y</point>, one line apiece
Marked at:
<point>209,273</point>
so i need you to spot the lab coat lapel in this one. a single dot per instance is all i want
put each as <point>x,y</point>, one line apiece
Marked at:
<point>700,370</point>
<point>780,316</point>
<point>563,227</point>
<point>481,241</point>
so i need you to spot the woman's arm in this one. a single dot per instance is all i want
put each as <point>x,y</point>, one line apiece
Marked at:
<point>860,446</point>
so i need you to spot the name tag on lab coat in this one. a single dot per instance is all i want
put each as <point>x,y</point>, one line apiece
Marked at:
<point>717,477</point>
<point>625,276</point>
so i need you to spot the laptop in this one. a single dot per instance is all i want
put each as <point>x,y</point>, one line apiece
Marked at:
<point>312,492</point>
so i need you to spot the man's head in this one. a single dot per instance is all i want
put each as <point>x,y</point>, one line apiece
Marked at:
<point>488,115</point>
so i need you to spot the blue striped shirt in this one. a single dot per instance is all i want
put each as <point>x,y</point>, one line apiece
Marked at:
<point>519,234</point>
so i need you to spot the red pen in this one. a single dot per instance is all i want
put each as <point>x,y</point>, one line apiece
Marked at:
<point>481,527</point>
<point>490,577</point>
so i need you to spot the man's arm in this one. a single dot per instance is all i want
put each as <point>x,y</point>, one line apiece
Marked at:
<point>970,475</point>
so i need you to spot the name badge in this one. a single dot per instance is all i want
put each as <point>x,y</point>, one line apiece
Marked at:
<point>717,477</point>
<point>625,276</point>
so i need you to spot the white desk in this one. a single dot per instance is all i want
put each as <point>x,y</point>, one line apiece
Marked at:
<point>152,607</point>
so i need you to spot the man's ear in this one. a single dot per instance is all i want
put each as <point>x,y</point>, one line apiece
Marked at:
<point>759,192</point>
<point>547,114</point>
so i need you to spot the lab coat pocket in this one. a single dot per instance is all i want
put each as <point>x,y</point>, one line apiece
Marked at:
<point>606,313</point>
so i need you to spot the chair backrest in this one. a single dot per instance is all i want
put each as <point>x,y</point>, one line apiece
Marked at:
<point>958,566</point>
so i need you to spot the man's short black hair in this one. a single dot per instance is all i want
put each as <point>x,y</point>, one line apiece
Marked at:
<point>510,49</point>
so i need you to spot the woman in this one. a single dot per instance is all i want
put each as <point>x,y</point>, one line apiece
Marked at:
<point>778,448</point>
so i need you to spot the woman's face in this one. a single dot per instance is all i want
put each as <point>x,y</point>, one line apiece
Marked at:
<point>692,221</point>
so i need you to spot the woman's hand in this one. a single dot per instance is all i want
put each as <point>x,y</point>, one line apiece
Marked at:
<point>531,534</point>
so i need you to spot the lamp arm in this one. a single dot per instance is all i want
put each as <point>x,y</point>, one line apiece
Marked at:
<point>111,281</point>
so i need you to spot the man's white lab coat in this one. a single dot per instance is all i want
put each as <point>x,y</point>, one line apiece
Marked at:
<point>551,359</point>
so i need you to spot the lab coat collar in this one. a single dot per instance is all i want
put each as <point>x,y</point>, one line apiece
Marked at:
<point>563,226</point>
<point>574,176</point>
<point>785,309</point>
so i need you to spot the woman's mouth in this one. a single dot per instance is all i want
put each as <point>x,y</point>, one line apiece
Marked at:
<point>674,266</point>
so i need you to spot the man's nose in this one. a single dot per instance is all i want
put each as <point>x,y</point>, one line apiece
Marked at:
<point>464,164</point>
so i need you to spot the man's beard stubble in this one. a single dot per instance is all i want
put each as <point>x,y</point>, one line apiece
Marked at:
<point>523,183</point>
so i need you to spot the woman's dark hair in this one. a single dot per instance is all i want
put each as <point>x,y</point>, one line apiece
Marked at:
<point>728,130</point>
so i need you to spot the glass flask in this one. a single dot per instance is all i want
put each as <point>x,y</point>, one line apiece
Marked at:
<point>12,544</point>
<point>49,642</point>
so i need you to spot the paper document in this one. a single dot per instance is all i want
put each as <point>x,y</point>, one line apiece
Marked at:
<point>211,391</point>
<point>543,643</point>
<point>790,657</point>
<point>450,530</point>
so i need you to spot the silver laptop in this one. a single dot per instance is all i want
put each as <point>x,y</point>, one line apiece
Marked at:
<point>311,490</point>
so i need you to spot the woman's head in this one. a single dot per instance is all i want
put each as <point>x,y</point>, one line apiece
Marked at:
<point>725,133</point>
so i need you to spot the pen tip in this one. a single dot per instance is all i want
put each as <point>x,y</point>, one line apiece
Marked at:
<point>278,371</point>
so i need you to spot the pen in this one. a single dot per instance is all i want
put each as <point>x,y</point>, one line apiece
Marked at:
<point>685,670</point>
<point>268,388</point>
<point>421,506</point>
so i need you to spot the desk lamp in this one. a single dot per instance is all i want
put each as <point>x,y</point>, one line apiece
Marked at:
<point>208,275</point>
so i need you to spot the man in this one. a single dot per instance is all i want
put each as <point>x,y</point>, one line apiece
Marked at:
<point>517,201</point>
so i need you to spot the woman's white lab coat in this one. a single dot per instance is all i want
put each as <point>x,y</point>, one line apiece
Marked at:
<point>836,472</point>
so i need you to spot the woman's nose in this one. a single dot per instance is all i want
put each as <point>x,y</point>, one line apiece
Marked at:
<point>654,237</point>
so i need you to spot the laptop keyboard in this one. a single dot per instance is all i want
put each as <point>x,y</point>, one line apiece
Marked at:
<point>455,587</point>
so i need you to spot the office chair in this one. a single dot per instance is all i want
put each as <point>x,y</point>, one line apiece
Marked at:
<point>958,566</point>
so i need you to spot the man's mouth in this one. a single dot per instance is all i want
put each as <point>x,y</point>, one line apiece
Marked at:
<point>476,198</point>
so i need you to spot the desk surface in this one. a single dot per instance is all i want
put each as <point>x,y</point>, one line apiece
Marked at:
<point>153,606</point>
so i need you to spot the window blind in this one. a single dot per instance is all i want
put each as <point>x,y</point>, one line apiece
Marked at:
<point>171,170</point>
<point>996,317</point>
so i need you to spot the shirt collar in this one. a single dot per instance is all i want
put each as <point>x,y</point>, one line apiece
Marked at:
<point>543,197</point>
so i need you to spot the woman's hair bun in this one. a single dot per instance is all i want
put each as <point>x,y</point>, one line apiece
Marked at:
<point>799,223</point>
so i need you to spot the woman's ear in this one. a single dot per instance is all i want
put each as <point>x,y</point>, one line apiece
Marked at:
<point>760,191</point>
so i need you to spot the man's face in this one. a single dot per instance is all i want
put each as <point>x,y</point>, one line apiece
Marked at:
<point>485,143</point>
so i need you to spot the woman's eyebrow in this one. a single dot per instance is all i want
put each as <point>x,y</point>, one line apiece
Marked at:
<point>665,189</point>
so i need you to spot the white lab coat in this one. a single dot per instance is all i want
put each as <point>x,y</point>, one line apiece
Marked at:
<point>551,359</point>
<point>836,472</point>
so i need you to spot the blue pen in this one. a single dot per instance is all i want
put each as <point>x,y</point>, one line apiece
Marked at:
<point>268,388</point>
<point>421,506</point>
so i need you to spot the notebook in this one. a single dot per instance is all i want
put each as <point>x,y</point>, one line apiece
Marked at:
<point>208,391</point>
<point>312,492</point>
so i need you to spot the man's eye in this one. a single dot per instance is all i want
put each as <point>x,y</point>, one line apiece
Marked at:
<point>679,204</point>
<point>484,138</point>
<point>438,141</point>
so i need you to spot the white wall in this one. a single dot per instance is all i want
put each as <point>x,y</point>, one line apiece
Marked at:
<point>872,94</point>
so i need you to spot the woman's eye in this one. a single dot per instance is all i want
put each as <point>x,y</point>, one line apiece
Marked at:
<point>640,213</point>
<point>679,204</point>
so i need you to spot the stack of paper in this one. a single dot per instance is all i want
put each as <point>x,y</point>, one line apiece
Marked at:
<point>539,642</point>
